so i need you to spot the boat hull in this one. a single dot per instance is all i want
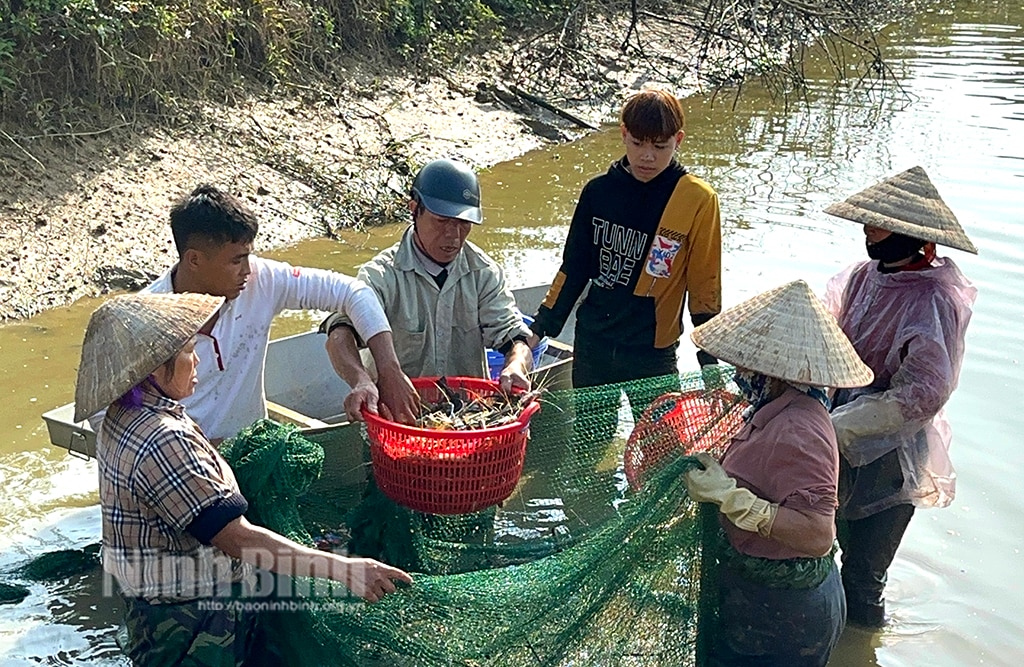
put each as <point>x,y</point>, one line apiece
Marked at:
<point>302,389</point>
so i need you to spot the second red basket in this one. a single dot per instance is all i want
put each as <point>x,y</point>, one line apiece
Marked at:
<point>686,423</point>
<point>448,472</point>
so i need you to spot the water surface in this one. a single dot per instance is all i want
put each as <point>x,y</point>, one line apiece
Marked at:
<point>956,108</point>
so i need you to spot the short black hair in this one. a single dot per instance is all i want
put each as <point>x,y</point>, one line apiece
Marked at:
<point>211,217</point>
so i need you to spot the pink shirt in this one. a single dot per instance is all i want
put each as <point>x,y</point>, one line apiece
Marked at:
<point>786,454</point>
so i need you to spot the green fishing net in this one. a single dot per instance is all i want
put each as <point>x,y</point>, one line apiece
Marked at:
<point>597,558</point>
<point>12,593</point>
<point>48,567</point>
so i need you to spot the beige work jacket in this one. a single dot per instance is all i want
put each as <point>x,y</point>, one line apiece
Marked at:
<point>442,331</point>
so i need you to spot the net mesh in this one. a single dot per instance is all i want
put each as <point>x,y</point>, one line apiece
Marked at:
<point>577,567</point>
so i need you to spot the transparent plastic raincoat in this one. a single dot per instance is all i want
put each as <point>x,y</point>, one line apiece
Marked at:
<point>909,327</point>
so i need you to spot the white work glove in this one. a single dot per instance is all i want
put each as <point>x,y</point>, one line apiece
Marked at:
<point>744,509</point>
<point>870,415</point>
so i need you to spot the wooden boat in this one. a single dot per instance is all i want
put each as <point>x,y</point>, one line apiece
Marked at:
<point>303,389</point>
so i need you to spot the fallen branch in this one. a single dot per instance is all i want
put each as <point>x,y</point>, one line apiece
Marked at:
<point>75,135</point>
<point>699,28</point>
<point>22,149</point>
<point>552,108</point>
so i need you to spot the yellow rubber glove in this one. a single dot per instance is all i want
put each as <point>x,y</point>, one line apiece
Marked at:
<point>745,510</point>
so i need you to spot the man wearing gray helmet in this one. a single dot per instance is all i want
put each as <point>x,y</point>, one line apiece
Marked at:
<point>445,299</point>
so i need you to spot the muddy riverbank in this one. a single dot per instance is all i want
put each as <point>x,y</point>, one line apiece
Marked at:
<point>86,212</point>
<point>83,208</point>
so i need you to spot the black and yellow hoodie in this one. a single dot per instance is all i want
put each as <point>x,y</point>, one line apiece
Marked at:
<point>642,248</point>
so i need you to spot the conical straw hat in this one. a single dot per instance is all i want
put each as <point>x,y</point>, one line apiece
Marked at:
<point>907,204</point>
<point>785,333</point>
<point>129,337</point>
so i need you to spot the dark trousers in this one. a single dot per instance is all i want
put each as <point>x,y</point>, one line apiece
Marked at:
<point>771,627</point>
<point>869,546</point>
<point>598,363</point>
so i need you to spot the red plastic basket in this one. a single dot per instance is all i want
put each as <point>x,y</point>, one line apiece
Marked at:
<point>448,472</point>
<point>689,422</point>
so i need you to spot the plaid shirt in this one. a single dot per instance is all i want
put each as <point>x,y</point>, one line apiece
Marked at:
<point>157,473</point>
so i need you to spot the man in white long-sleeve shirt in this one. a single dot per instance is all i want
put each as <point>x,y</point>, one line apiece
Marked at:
<point>213,232</point>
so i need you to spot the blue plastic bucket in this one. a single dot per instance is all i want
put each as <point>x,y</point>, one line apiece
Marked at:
<point>496,360</point>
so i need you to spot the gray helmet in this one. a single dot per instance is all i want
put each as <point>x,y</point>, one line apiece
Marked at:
<point>449,189</point>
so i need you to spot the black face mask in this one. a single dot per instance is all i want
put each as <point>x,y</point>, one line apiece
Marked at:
<point>894,248</point>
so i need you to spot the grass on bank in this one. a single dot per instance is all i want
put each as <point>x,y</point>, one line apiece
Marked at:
<point>74,72</point>
<point>144,57</point>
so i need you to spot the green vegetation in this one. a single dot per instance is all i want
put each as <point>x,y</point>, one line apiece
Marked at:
<point>144,55</point>
<point>131,57</point>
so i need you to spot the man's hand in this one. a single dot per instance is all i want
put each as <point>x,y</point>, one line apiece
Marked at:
<point>393,396</point>
<point>363,395</point>
<point>516,372</point>
<point>399,401</point>
<point>514,376</point>
<point>343,352</point>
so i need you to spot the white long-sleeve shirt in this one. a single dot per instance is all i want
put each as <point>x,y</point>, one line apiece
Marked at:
<point>230,393</point>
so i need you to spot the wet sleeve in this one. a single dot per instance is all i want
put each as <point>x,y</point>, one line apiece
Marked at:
<point>214,518</point>
<point>333,321</point>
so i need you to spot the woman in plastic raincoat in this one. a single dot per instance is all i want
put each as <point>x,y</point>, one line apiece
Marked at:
<point>780,597</point>
<point>906,312</point>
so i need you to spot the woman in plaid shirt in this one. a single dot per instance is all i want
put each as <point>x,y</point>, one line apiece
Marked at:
<point>174,532</point>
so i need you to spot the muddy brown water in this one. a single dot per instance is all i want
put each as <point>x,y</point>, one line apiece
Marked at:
<point>956,588</point>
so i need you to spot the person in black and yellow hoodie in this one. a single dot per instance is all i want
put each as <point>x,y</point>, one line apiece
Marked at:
<point>645,237</point>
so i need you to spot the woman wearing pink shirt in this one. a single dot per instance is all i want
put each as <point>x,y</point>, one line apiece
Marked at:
<point>780,597</point>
